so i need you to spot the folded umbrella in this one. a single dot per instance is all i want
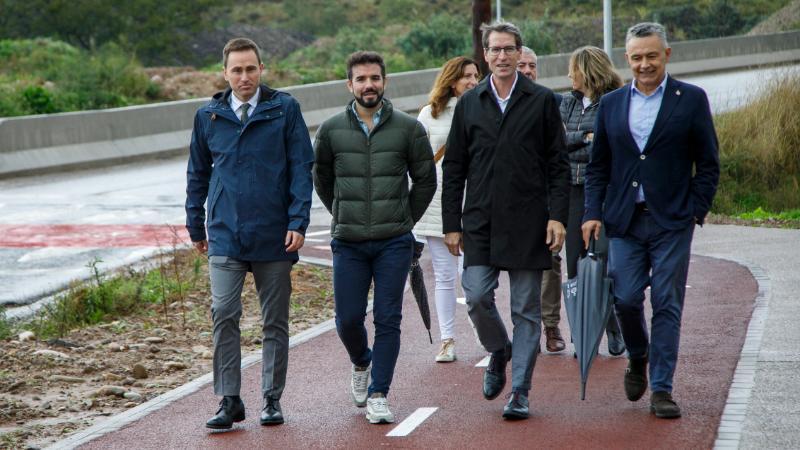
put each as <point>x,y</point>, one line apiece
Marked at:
<point>417,280</point>
<point>589,304</point>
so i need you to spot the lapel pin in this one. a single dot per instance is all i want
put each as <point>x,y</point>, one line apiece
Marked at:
<point>678,92</point>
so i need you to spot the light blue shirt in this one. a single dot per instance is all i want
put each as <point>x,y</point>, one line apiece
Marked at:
<point>376,118</point>
<point>503,102</point>
<point>236,104</point>
<point>641,118</point>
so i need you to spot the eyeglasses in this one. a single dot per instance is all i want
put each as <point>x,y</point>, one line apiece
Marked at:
<point>494,51</point>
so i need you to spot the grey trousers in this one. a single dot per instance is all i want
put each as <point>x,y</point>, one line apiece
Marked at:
<point>274,286</point>
<point>551,294</point>
<point>479,284</point>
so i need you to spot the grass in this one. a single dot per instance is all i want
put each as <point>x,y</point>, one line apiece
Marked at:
<point>106,298</point>
<point>760,153</point>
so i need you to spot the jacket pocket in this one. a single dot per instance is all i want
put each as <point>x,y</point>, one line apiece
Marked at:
<point>212,202</point>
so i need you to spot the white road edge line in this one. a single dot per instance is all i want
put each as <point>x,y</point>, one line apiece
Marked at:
<point>484,362</point>
<point>413,421</point>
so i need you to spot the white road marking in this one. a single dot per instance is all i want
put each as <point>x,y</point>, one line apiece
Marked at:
<point>461,300</point>
<point>413,421</point>
<point>321,247</point>
<point>484,362</point>
<point>314,240</point>
<point>318,233</point>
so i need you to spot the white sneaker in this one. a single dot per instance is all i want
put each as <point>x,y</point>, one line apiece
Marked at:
<point>448,351</point>
<point>378,410</point>
<point>359,382</point>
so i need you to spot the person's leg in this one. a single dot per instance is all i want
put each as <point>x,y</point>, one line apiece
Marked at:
<point>629,267</point>
<point>526,317</point>
<point>227,278</point>
<point>352,276</point>
<point>669,252</point>
<point>551,294</point>
<point>574,239</point>
<point>274,285</point>
<point>445,270</point>
<point>391,260</point>
<point>479,283</point>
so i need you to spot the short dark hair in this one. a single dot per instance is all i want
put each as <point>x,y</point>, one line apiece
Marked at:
<point>500,27</point>
<point>238,45</point>
<point>358,58</point>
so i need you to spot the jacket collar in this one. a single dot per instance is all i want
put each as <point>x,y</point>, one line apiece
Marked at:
<point>386,110</point>
<point>222,98</point>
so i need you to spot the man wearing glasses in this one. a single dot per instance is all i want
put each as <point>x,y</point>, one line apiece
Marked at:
<point>506,144</point>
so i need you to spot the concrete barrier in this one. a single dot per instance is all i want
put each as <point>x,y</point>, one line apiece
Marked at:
<point>55,142</point>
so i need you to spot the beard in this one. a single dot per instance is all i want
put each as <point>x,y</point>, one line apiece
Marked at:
<point>370,103</point>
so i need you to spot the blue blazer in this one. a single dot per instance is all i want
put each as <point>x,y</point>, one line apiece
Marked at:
<point>678,169</point>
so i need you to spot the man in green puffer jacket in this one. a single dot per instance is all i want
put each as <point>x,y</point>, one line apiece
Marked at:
<point>363,159</point>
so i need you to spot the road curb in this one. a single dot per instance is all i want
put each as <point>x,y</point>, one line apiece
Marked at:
<point>729,432</point>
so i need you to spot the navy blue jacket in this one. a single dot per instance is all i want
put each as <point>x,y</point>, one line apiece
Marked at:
<point>256,177</point>
<point>683,140</point>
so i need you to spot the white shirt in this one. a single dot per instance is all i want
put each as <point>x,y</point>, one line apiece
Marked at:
<point>503,102</point>
<point>236,104</point>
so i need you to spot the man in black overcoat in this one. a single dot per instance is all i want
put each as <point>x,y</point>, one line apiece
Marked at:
<point>507,145</point>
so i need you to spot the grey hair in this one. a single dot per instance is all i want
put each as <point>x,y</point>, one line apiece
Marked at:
<point>500,27</point>
<point>529,51</point>
<point>646,29</point>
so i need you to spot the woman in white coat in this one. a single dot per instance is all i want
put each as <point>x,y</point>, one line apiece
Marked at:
<point>457,76</point>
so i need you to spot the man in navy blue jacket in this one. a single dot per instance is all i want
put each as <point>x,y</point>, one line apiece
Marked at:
<point>653,174</point>
<point>251,157</point>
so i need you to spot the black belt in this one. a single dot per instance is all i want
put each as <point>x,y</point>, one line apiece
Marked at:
<point>641,207</point>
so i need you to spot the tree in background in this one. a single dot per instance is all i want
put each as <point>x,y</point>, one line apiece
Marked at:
<point>156,31</point>
<point>481,14</point>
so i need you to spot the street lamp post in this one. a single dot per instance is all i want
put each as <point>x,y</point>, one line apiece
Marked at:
<point>607,41</point>
<point>499,12</point>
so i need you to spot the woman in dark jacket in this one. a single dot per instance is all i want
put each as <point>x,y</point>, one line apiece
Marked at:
<point>592,74</point>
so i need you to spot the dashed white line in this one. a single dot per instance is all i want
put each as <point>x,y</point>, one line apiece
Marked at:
<point>413,421</point>
<point>484,362</point>
<point>318,233</point>
<point>461,300</point>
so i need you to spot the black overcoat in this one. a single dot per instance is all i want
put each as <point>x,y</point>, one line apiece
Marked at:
<point>516,171</point>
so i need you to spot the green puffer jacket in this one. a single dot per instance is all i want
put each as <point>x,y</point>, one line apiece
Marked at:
<point>363,181</point>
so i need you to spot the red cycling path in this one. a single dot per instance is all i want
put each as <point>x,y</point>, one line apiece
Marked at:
<point>320,414</point>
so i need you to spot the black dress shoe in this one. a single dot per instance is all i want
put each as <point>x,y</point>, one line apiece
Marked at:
<point>494,378</point>
<point>231,409</point>
<point>517,407</point>
<point>663,406</point>
<point>636,378</point>
<point>271,414</point>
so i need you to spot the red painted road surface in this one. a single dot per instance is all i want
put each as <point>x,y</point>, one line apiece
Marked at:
<point>103,236</point>
<point>320,414</point>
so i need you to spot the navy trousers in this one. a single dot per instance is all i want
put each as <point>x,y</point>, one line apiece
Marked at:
<point>649,255</point>
<point>356,265</point>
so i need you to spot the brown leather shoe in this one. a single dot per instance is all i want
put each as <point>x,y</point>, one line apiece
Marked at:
<point>663,406</point>
<point>553,340</point>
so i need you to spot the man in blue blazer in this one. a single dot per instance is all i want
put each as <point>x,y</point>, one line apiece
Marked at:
<point>653,174</point>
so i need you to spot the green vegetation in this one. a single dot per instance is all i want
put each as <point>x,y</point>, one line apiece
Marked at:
<point>39,76</point>
<point>760,153</point>
<point>792,215</point>
<point>110,297</point>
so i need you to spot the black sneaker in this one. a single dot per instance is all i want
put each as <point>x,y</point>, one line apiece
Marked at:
<point>231,409</point>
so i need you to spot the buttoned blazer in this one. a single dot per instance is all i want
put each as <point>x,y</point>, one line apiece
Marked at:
<point>678,168</point>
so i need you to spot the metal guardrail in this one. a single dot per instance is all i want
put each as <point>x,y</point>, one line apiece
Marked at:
<point>55,142</point>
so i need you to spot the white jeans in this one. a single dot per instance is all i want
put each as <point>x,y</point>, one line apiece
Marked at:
<point>446,269</point>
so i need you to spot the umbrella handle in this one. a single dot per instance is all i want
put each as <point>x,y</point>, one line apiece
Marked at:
<point>592,244</point>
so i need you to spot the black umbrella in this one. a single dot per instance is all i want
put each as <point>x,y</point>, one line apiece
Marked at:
<point>418,287</point>
<point>589,303</point>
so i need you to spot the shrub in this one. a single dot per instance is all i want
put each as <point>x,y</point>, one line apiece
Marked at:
<point>760,152</point>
